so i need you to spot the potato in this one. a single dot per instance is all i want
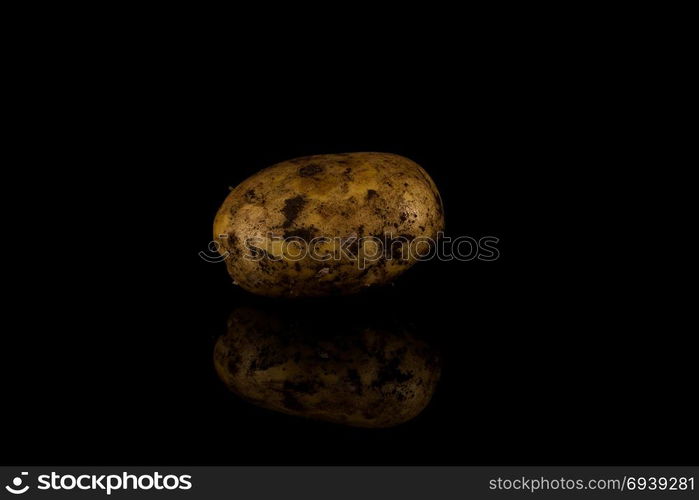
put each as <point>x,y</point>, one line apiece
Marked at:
<point>356,220</point>
<point>359,375</point>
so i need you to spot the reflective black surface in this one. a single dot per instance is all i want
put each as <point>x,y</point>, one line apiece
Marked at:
<point>320,361</point>
<point>564,350</point>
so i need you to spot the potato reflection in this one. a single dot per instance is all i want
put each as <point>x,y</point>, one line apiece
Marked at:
<point>358,373</point>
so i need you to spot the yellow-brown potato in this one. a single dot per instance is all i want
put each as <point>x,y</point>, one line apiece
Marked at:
<point>346,203</point>
<point>365,376</point>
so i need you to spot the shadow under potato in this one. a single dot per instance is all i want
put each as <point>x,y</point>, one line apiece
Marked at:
<point>356,369</point>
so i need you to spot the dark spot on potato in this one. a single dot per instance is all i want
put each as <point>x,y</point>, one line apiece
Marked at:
<point>231,243</point>
<point>354,380</point>
<point>250,196</point>
<point>305,233</point>
<point>390,372</point>
<point>396,248</point>
<point>403,216</point>
<point>297,266</point>
<point>292,208</point>
<point>266,358</point>
<point>364,272</point>
<point>302,387</point>
<point>353,247</point>
<point>310,170</point>
<point>233,365</point>
<point>264,262</point>
<point>370,194</point>
<point>291,403</point>
<point>256,252</point>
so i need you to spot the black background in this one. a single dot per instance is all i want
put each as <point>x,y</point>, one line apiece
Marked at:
<point>560,352</point>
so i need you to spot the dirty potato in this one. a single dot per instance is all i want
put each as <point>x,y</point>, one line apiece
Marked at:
<point>328,224</point>
<point>364,376</point>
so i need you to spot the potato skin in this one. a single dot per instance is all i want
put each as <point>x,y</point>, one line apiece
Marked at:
<point>350,195</point>
<point>363,376</point>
